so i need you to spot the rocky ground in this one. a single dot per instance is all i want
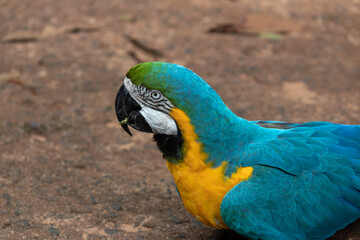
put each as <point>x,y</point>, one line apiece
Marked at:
<point>67,169</point>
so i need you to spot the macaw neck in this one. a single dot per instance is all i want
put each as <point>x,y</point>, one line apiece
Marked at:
<point>207,137</point>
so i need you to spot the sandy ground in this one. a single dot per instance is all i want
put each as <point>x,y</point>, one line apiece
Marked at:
<point>69,172</point>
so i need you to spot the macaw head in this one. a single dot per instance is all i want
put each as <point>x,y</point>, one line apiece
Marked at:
<point>153,91</point>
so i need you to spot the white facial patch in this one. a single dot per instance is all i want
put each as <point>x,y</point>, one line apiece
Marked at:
<point>129,86</point>
<point>159,121</point>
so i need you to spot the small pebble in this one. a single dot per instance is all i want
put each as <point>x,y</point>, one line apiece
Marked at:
<point>181,235</point>
<point>111,231</point>
<point>149,224</point>
<point>116,206</point>
<point>24,223</point>
<point>6,197</point>
<point>53,231</point>
<point>110,215</point>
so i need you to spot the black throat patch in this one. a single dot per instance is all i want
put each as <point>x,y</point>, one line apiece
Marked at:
<point>170,146</point>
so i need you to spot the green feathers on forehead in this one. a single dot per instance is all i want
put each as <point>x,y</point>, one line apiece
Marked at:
<point>151,75</point>
<point>177,83</point>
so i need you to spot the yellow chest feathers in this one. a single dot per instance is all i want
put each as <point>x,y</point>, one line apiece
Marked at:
<point>201,187</point>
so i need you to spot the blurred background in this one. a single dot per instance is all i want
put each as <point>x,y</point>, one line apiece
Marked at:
<point>68,171</point>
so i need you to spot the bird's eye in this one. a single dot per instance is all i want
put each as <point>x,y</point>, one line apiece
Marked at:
<point>156,95</point>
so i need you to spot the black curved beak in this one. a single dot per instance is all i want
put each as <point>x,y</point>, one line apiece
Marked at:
<point>128,112</point>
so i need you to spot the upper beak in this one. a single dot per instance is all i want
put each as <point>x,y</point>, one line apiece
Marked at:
<point>128,112</point>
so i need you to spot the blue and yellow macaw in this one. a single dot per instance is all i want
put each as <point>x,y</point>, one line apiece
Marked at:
<point>262,179</point>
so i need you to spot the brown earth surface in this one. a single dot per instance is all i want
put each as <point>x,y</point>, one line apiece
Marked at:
<point>67,169</point>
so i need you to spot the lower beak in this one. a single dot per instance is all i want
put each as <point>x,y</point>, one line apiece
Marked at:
<point>128,112</point>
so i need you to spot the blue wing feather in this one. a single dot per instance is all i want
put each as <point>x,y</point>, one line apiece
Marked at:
<point>308,174</point>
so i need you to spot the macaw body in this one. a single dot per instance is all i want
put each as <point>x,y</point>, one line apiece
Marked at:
<point>264,180</point>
